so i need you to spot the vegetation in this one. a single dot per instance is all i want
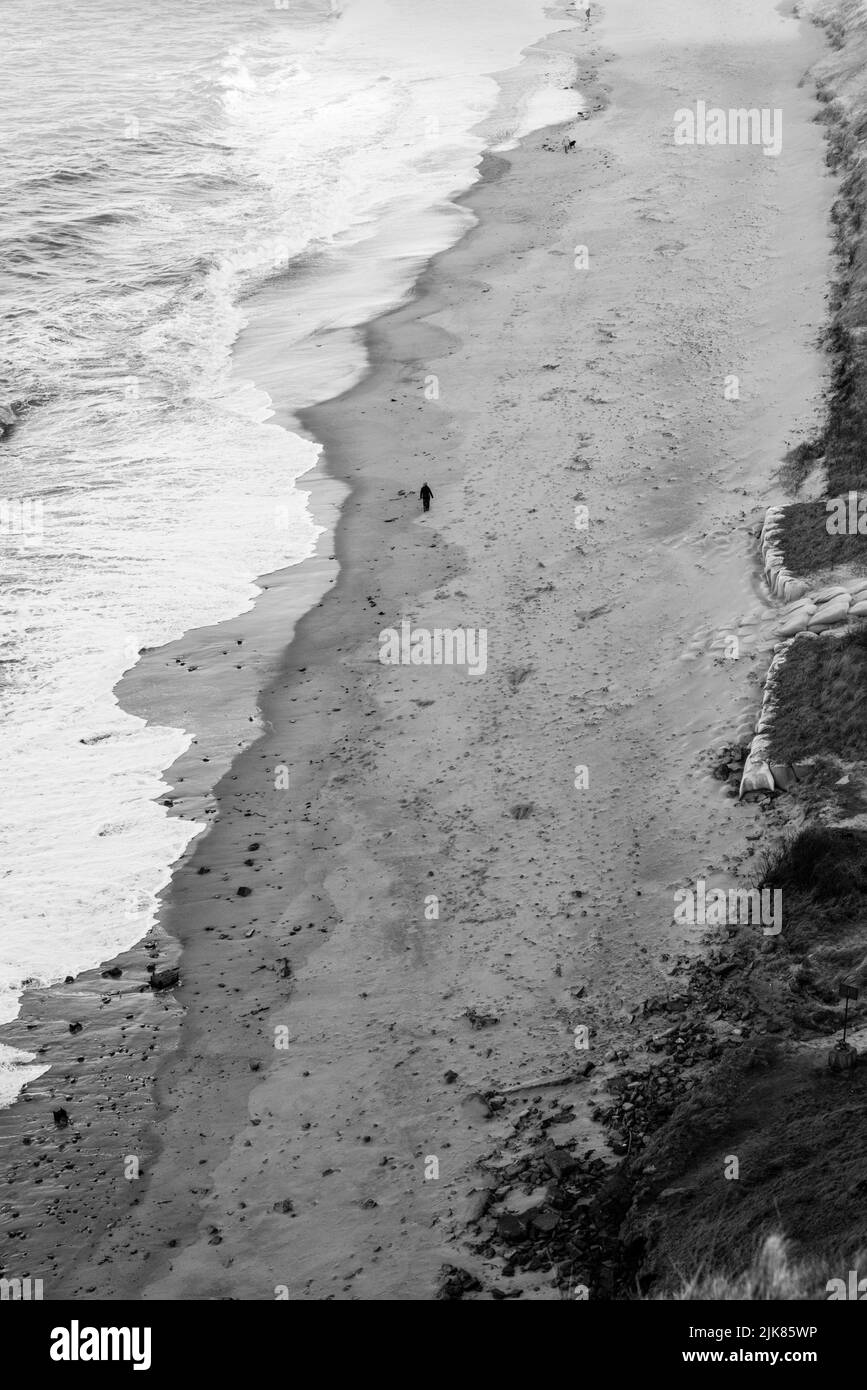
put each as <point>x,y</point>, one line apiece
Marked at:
<point>819,699</point>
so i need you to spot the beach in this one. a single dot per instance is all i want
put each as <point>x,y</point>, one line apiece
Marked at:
<point>445,873</point>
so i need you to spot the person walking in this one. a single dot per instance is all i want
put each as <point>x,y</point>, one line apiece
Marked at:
<point>425,496</point>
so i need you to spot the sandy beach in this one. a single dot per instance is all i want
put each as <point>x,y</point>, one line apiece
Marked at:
<point>417,882</point>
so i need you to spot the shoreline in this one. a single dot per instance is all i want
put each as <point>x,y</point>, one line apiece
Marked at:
<point>376,876</point>
<point>108,1008</point>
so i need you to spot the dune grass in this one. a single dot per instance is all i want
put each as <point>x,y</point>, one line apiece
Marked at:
<point>819,700</point>
<point>774,1276</point>
<point>807,546</point>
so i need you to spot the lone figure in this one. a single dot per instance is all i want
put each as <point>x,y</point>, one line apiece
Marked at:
<point>425,496</point>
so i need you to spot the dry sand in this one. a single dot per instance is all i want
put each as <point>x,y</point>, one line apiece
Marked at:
<point>557,385</point>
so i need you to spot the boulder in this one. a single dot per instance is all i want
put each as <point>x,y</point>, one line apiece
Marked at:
<point>559,1162</point>
<point>166,978</point>
<point>476,1106</point>
<point>545,1222</point>
<point>511,1227</point>
<point>455,1282</point>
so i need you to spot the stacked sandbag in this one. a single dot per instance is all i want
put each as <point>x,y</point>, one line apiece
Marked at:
<point>828,607</point>
<point>781,583</point>
<point>757,774</point>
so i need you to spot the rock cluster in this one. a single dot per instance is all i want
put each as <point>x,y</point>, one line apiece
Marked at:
<point>559,1225</point>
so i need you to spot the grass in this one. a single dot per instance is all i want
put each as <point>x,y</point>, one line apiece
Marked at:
<point>820,866</point>
<point>798,464</point>
<point>809,549</point>
<point>819,694</point>
<point>798,1132</point>
<point>806,546</point>
<point>773,1276</point>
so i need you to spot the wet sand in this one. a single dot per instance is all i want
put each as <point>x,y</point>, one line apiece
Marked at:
<point>333,1039</point>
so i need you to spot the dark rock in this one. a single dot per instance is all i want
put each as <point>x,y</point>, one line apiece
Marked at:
<point>450,1077</point>
<point>511,1227</point>
<point>286,1206</point>
<point>725,968</point>
<point>75,1027</point>
<point>476,1105</point>
<point>455,1282</point>
<point>479,1020</point>
<point>61,1118</point>
<point>113,974</point>
<point>545,1222</point>
<point>559,1162</point>
<point>244,891</point>
<point>166,978</point>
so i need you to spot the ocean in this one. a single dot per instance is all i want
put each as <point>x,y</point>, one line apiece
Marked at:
<point>160,166</point>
